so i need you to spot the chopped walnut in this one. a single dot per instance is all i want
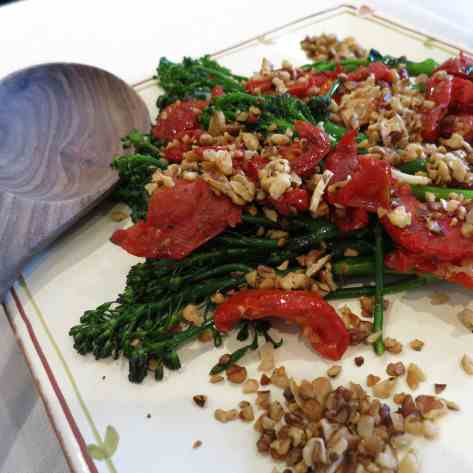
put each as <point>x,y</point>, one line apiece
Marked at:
<point>396,369</point>
<point>334,371</point>
<point>226,416</point>
<point>414,376</point>
<point>200,400</point>
<point>236,374</point>
<point>250,386</point>
<point>467,364</point>
<point>417,344</point>
<point>439,388</point>
<point>371,380</point>
<point>216,378</point>
<point>392,345</point>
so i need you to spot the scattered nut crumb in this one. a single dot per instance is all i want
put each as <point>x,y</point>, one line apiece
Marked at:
<point>217,298</point>
<point>250,386</point>
<point>417,344</point>
<point>367,306</point>
<point>334,371</point>
<point>265,380</point>
<point>266,353</point>
<point>263,399</point>
<point>216,378</point>
<point>206,336</point>
<point>197,444</point>
<point>372,338</point>
<point>438,298</point>
<point>392,345</point>
<point>279,378</point>
<point>200,400</point>
<point>439,388</point>
<point>452,406</point>
<point>467,364</point>
<point>359,361</point>
<point>398,398</point>
<point>246,413</point>
<point>118,215</point>
<point>385,388</point>
<point>396,369</point>
<point>466,317</point>
<point>415,376</point>
<point>371,380</point>
<point>225,416</point>
<point>236,374</point>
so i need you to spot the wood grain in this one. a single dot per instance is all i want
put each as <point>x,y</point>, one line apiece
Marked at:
<point>60,127</point>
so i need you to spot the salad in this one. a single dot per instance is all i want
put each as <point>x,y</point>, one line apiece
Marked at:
<point>271,195</point>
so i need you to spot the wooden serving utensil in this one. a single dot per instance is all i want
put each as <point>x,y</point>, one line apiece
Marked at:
<point>60,127</point>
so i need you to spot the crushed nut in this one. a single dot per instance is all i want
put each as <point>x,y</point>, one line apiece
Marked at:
<point>467,364</point>
<point>279,378</point>
<point>246,413</point>
<point>226,416</point>
<point>236,374</point>
<point>250,386</point>
<point>392,345</point>
<point>216,378</point>
<point>396,369</point>
<point>266,353</point>
<point>265,380</point>
<point>263,399</point>
<point>197,444</point>
<point>414,376</point>
<point>367,306</point>
<point>439,388</point>
<point>359,361</point>
<point>334,371</point>
<point>200,400</point>
<point>371,380</point>
<point>466,317</point>
<point>385,388</point>
<point>439,298</point>
<point>417,344</point>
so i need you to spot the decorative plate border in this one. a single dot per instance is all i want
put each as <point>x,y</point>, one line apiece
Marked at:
<point>435,42</point>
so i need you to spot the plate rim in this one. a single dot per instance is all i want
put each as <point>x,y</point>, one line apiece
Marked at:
<point>14,294</point>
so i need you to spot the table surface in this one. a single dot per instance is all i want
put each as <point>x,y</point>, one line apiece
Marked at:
<point>127,40</point>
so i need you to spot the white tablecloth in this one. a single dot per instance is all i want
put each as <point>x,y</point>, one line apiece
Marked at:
<point>127,38</point>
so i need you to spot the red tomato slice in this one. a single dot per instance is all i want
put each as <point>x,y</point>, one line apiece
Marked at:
<point>440,92</point>
<point>458,66</point>
<point>354,219</point>
<point>292,201</point>
<point>369,186</point>
<point>403,261</point>
<point>462,95</point>
<point>416,238</point>
<point>378,69</point>
<point>261,85</point>
<point>316,148</point>
<point>179,220</point>
<point>461,123</point>
<point>343,160</point>
<point>177,118</point>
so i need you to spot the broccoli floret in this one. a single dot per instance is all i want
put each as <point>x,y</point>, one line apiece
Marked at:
<point>194,78</point>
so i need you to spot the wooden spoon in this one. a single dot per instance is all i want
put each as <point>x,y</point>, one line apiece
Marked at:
<point>60,127</point>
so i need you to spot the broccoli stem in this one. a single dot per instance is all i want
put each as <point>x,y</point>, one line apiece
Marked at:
<point>440,192</point>
<point>378,298</point>
<point>259,221</point>
<point>414,166</point>
<point>401,286</point>
<point>247,242</point>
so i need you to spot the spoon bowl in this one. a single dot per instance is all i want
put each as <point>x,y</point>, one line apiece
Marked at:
<point>60,127</point>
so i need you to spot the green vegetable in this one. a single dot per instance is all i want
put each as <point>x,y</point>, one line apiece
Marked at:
<point>194,78</point>
<point>319,105</point>
<point>401,286</point>
<point>416,165</point>
<point>378,297</point>
<point>440,192</point>
<point>135,171</point>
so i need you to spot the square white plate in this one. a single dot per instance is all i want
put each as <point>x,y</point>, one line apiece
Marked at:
<point>157,423</point>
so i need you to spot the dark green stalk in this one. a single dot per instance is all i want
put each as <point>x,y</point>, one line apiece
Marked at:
<point>394,288</point>
<point>336,132</point>
<point>247,242</point>
<point>177,281</point>
<point>378,298</point>
<point>259,221</point>
<point>416,165</point>
<point>440,192</point>
<point>360,267</point>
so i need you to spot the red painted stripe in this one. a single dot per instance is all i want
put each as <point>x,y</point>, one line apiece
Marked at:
<point>57,390</point>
